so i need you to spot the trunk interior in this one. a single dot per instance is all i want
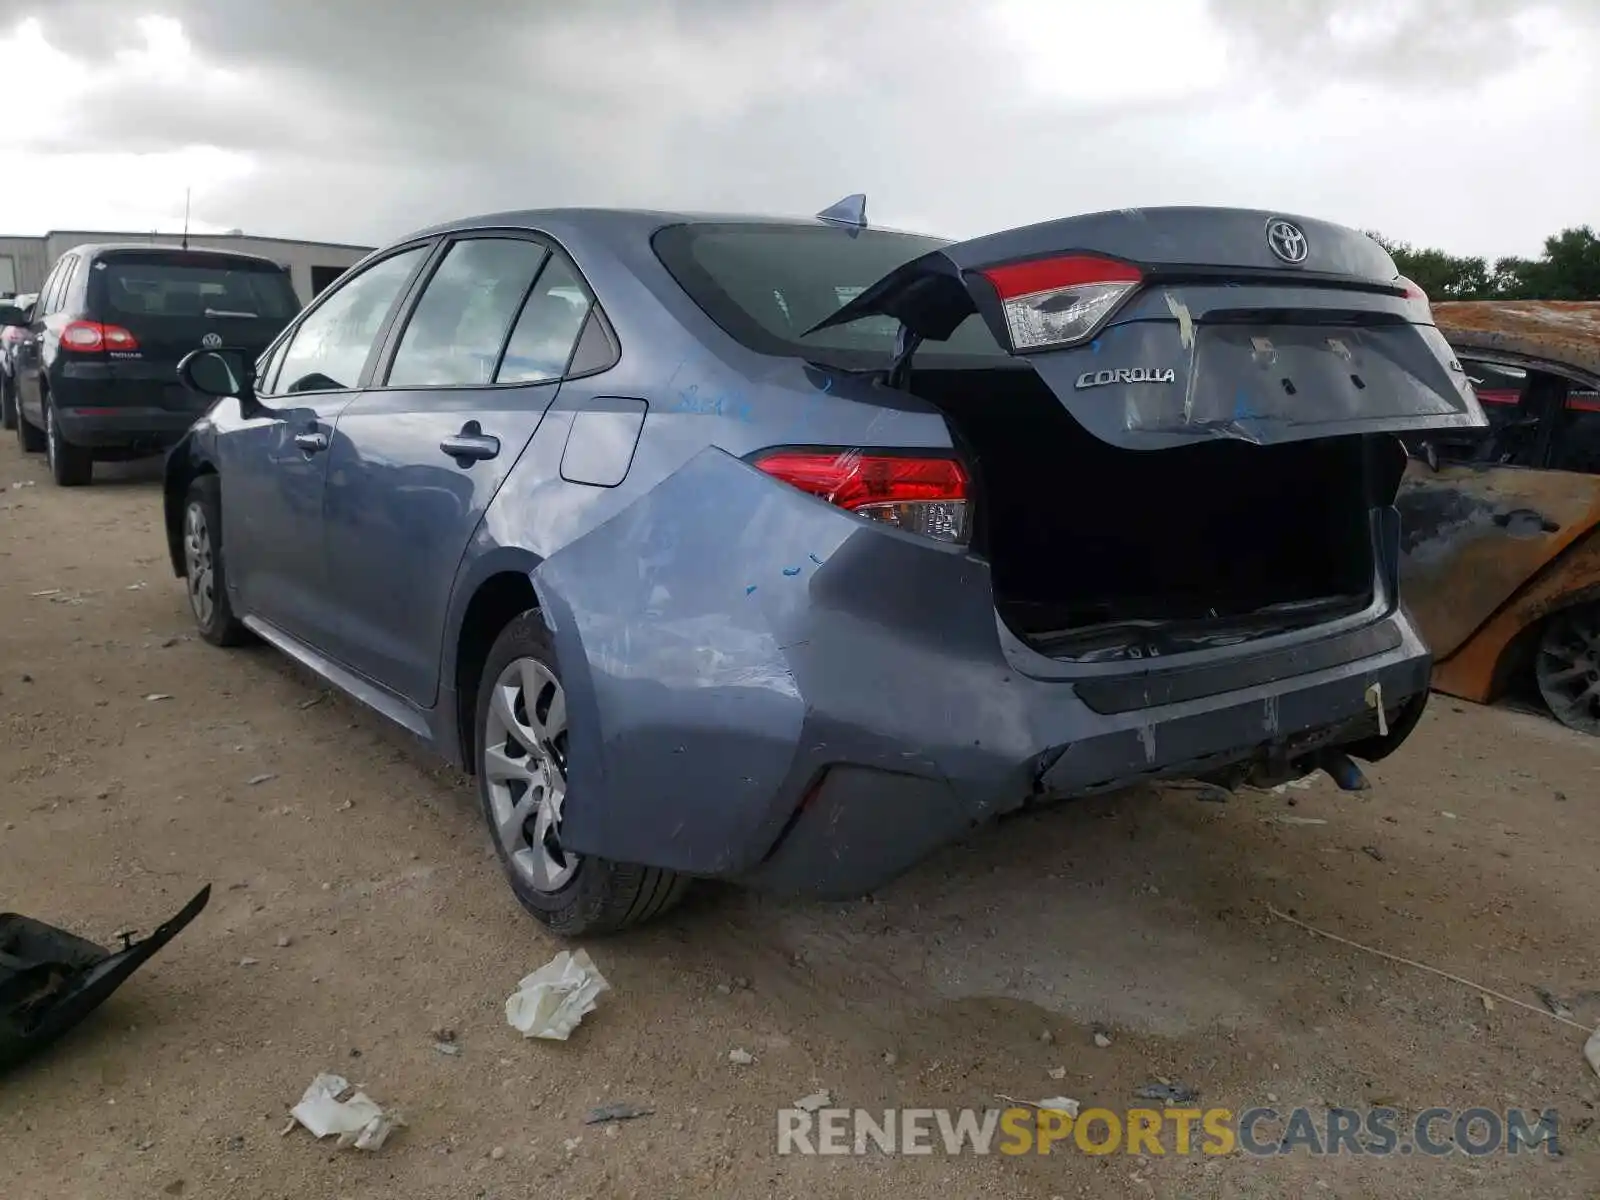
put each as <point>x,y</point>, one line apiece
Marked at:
<point>1101,554</point>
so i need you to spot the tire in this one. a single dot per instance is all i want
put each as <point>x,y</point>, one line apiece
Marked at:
<point>570,895</point>
<point>70,466</point>
<point>1566,667</point>
<point>30,439</point>
<point>8,401</point>
<point>204,570</point>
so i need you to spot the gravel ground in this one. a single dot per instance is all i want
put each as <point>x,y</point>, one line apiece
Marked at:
<point>357,909</point>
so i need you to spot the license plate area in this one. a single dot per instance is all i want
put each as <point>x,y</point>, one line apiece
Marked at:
<point>1261,378</point>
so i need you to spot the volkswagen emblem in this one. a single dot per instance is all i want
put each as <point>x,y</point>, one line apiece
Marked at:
<point>212,340</point>
<point>1287,241</point>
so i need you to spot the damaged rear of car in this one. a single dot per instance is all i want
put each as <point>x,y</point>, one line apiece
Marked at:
<point>1160,541</point>
<point>1270,384</point>
<point>788,551</point>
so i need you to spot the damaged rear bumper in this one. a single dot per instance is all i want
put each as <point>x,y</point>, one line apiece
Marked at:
<point>862,826</point>
<point>762,687</point>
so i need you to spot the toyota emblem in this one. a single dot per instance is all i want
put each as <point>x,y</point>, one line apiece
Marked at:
<point>1287,241</point>
<point>211,341</point>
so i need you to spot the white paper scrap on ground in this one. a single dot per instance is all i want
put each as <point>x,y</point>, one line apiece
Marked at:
<point>359,1121</point>
<point>1591,1050</point>
<point>813,1102</point>
<point>550,1002</point>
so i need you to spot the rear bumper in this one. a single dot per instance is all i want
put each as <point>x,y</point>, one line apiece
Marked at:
<point>120,409</point>
<point>764,688</point>
<point>861,826</point>
<point>151,429</point>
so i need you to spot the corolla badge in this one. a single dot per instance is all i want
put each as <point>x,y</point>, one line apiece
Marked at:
<point>211,341</point>
<point>1091,379</point>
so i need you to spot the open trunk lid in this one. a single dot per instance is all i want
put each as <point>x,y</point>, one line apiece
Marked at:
<point>1159,327</point>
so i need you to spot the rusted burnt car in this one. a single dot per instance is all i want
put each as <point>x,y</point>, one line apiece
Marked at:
<point>1500,550</point>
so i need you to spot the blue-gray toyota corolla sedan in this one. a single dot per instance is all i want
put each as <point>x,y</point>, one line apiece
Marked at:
<point>786,551</point>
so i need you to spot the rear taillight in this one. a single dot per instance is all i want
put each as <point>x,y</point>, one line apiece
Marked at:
<point>91,337</point>
<point>1052,302</point>
<point>923,495</point>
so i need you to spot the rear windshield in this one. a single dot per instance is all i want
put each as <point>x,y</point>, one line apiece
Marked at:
<point>168,286</point>
<point>767,284</point>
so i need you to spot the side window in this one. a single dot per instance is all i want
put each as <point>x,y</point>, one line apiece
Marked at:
<point>458,327</point>
<point>42,304</point>
<point>548,326</point>
<point>597,347</point>
<point>67,281</point>
<point>328,350</point>
<point>1577,441</point>
<point>50,298</point>
<point>70,268</point>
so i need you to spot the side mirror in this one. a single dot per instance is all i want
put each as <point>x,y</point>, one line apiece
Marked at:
<point>10,314</point>
<point>216,373</point>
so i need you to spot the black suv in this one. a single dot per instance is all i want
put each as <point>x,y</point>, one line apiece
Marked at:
<point>96,376</point>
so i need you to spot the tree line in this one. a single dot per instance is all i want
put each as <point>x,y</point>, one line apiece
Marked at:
<point>1569,269</point>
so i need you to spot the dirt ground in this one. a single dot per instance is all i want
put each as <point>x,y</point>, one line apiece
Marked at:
<point>357,908</point>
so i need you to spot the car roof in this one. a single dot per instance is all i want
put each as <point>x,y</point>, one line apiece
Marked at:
<point>639,222</point>
<point>1562,331</point>
<point>96,249</point>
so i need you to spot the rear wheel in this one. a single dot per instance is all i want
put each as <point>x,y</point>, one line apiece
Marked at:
<point>522,784</point>
<point>203,568</point>
<point>1567,667</point>
<point>30,438</point>
<point>8,402</point>
<point>70,466</point>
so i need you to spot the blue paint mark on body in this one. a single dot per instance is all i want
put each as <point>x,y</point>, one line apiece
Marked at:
<point>711,404</point>
<point>750,589</point>
<point>791,570</point>
<point>816,560</point>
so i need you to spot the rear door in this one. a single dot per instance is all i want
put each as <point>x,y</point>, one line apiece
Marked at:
<point>1158,327</point>
<point>170,302</point>
<point>419,455</point>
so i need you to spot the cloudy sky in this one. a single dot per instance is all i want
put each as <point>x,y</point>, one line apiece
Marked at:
<point>1468,124</point>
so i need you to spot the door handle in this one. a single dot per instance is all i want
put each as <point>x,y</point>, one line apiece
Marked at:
<point>312,443</point>
<point>470,445</point>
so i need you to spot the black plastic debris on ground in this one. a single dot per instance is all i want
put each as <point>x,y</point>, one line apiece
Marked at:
<point>50,979</point>
<point>1169,1093</point>
<point>615,1112</point>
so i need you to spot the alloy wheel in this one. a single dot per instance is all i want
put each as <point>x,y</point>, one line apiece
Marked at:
<point>199,563</point>
<point>50,435</point>
<point>525,770</point>
<point>1567,668</point>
